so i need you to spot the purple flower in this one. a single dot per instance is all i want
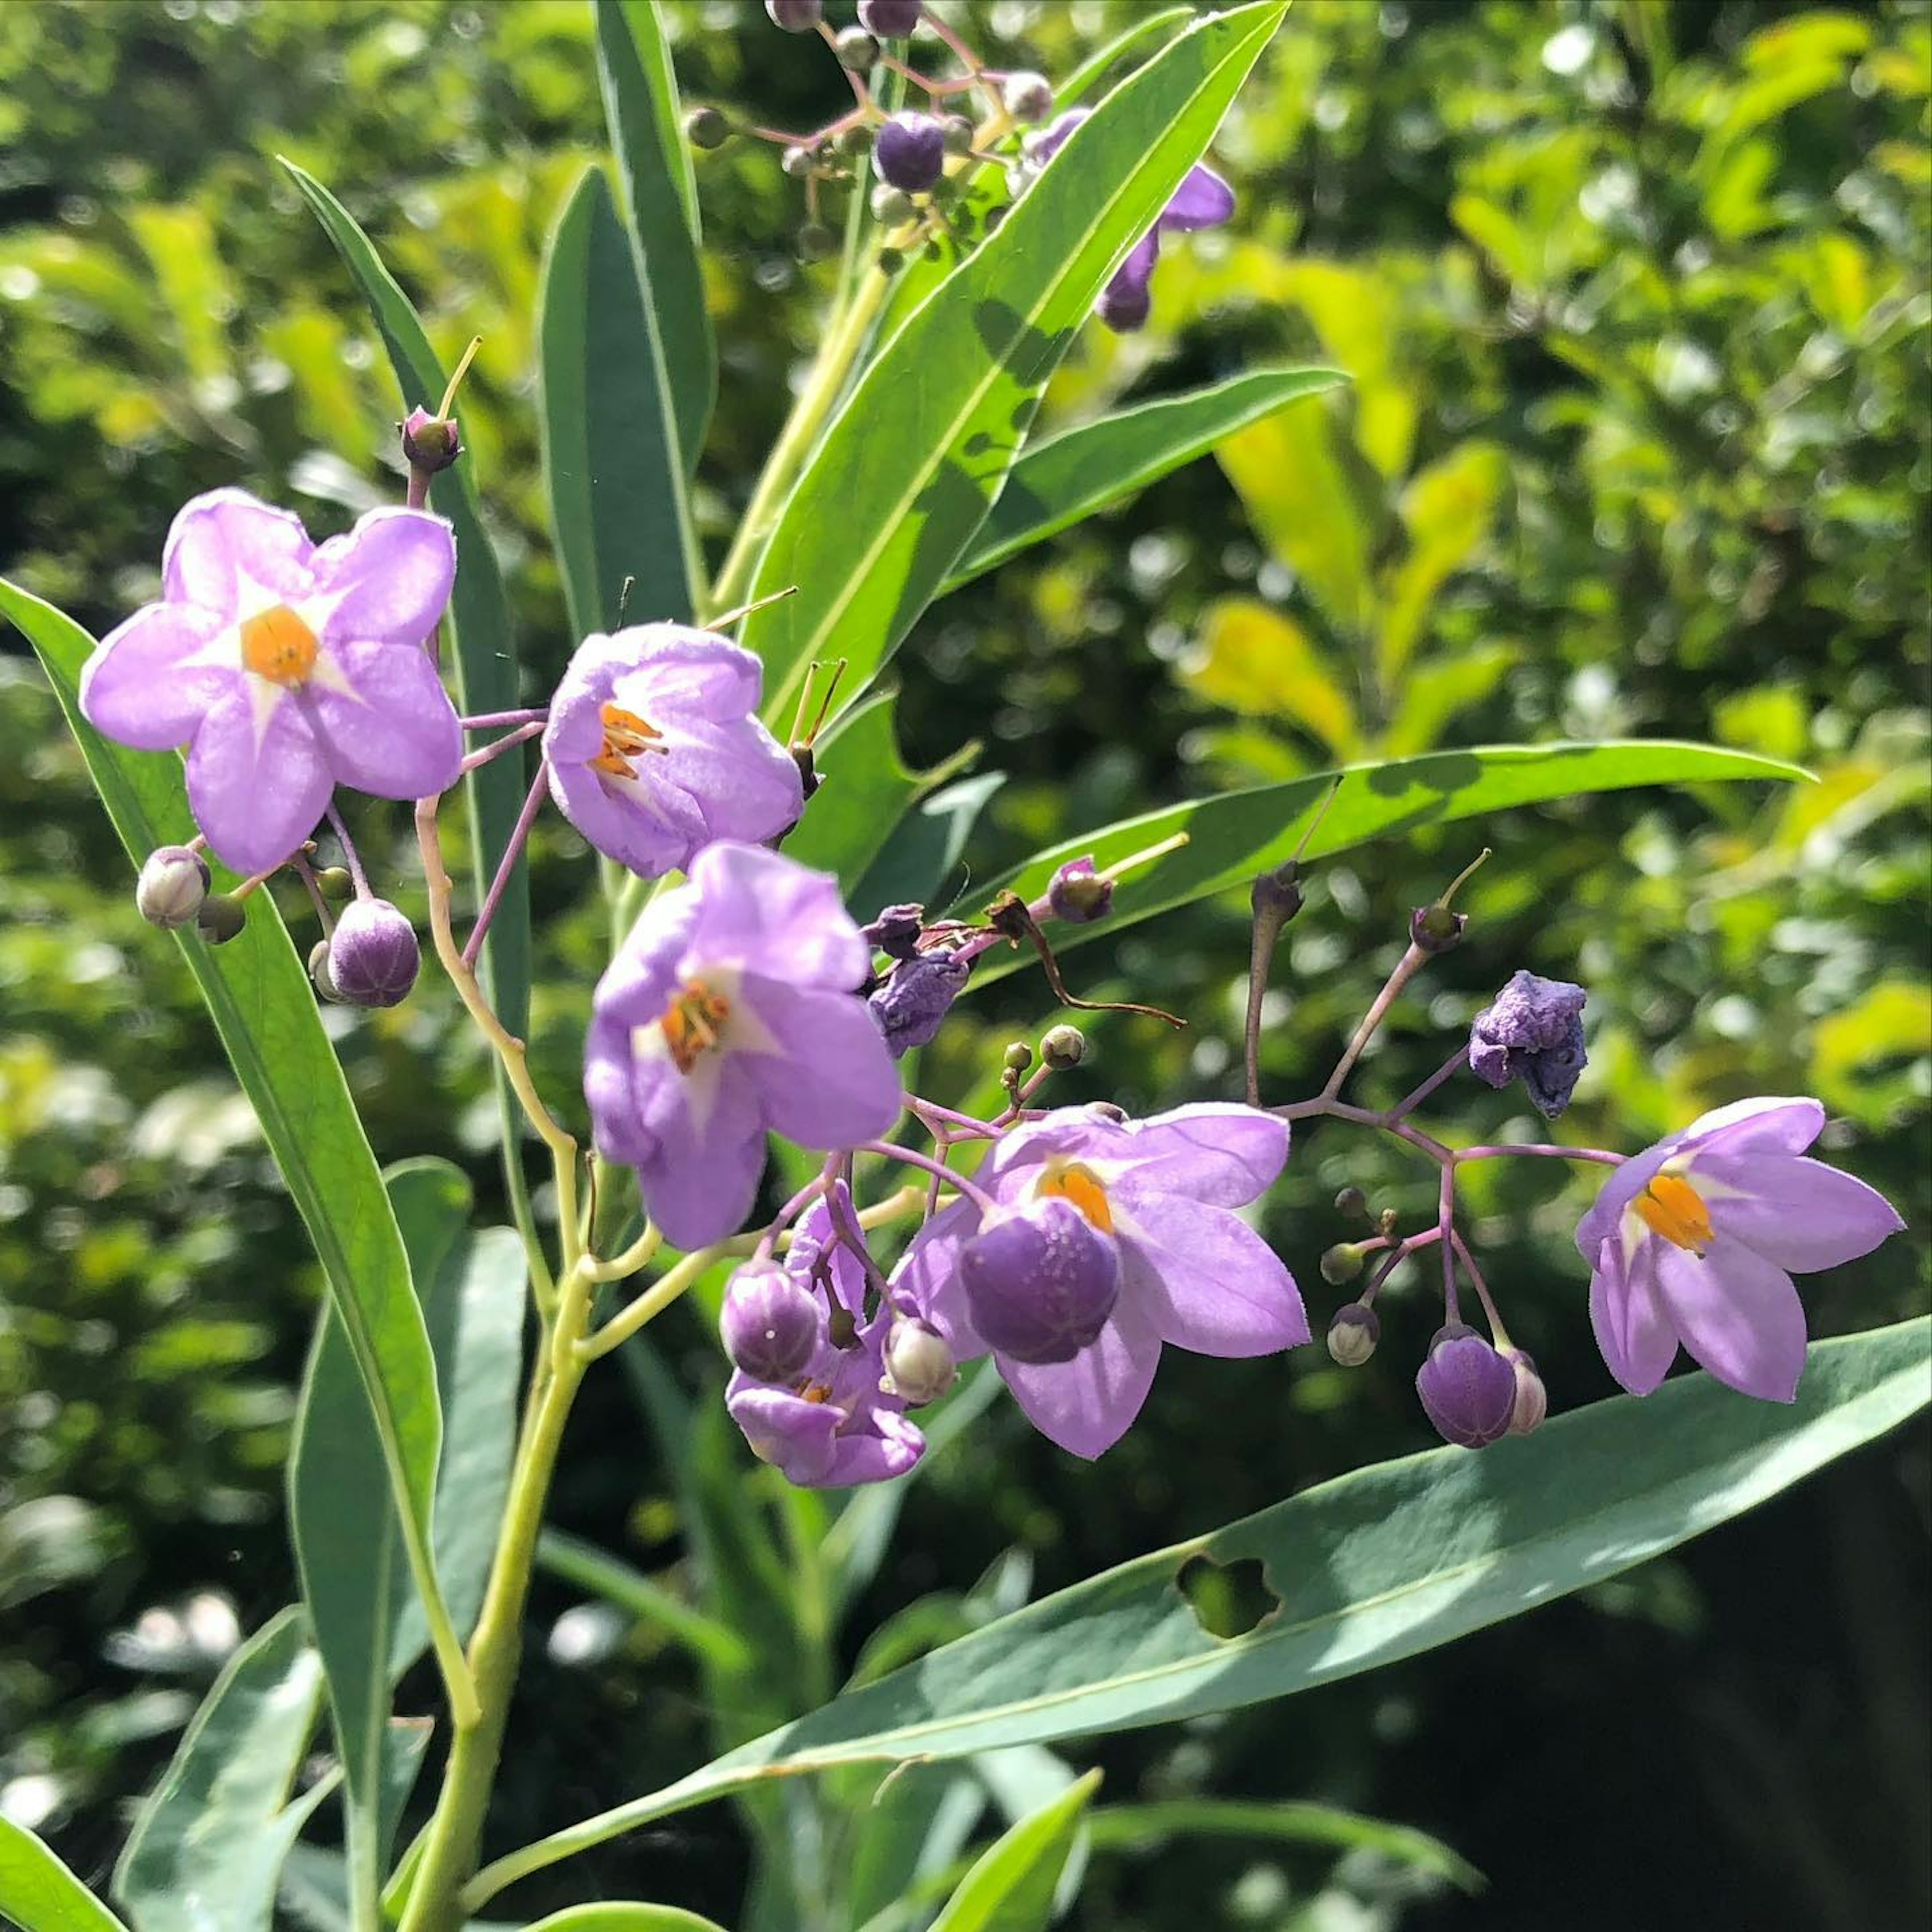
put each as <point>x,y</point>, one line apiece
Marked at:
<point>1469,1390</point>
<point>289,668</point>
<point>1533,1031</point>
<point>1695,1241</point>
<point>832,1424</point>
<point>1192,1272</point>
<point>655,748</point>
<point>895,931</point>
<point>729,1013</point>
<point>1203,200</point>
<point>910,152</point>
<point>912,1000</point>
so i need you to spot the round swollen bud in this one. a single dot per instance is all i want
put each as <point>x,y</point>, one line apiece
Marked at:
<point>1341,1263</point>
<point>1028,97</point>
<point>796,16</point>
<point>910,152</point>
<point>1061,1047</point>
<point>797,161</point>
<point>890,261</point>
<point>957,131</point>
<point>1434,929</point>
<point>706,127</point>
<point>919,1366</point>
<point>1468,1390</point>
<point>816,241</point>
<point>221,918</point>
<point>1018,1057</point>
<point>335,883</point>
<point>318,974</point>
<point>1532,1399</point>
<point>770,1323</point>
<point>890,20</point>
<point>173,887</point>
<point>1040,1281</point>
<point>373,957</point>
<point>1353,1334</point>
<point>1352,1202</point>
<point>891,207</point>
<point>855,49</point>
<point>1079,895</point>
<point>430,443</point>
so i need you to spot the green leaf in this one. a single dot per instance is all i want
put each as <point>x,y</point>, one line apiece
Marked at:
<point>610,462</point>
<point>1447,509</point>
<point>1378,1565</point>
<point>1103,60</point>
<point>918,863</point>
<point>905,473</point>
<point>660,199</point>
<point>1432,692</point>
<point>207,1847</point>
<point>638,1596</point>
<point>1233,837</point>
<point>1057,482</point>
<point>615,1915</point>
<point>1010,1888</point>
<point>38,1893</point>
<point>265,1010</point>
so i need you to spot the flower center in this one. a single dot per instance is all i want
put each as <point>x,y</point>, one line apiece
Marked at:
<point>1671,1207</point>
<point>276,644</point>
<point>692,1021</point>
<point>626,736</point>
<point>1073,1180</point>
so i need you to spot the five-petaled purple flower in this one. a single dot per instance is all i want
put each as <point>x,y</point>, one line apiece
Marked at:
<point>730,1012</point>
<point>1161,1191</point>
<point>832,1424</point>
<point>289,667</point>
<point>1695,1240</point>
<point>655,748</point>
<point>1202,200</point>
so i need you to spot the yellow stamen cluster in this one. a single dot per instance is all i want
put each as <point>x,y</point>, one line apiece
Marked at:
<point>276,644</point>
<point>1073,1180</point>
<point>692,1021</point>
<point>626,736</point>
<point>1671,1207</point>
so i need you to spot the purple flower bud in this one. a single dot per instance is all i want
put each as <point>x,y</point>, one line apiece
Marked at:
<point>1533,1031</point>
<point>910,152</point>
<point>1028,97</point>
<point>1040,1281</point>
<point>374,958</point>
<point>429,442</point>
<point>1434,929</point>
<point>915,997</point>
<point>1469,1390</point>
<point>1125,305</point>
<point>1078,895</point>
<point>890,20</point>
<point>771,1323</point>
<point>796,16</point>
<point>1353,1334</point>
<point>896,930</point>
<point>171,888</point>
<point>1532,1399</point>
<point>919,1366</point>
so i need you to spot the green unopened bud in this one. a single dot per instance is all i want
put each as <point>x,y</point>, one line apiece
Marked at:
<point>1352,1202</point>
<point>706,127</point>
<point>856,140</point>
<point>335,884</point>
<point>919,1366</point>
<point>1061,1047</point>
<point>323,980</point>
<point>1353,1334</point>
<point>173,887</point>
<point>890,261</point>
<point>957,132</point>
<point>1019,1057</point>
<point>1342,1262</point>
<point>797,161</point>
<point>855,49</point>
<point>222,916</point>
<point>892,206</point>
<point>816,241</point>
<point>1532,1399</point>
<point>1434,929</point>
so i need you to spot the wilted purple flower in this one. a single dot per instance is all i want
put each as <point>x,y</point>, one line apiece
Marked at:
<point>1079,895</point>
<point>291,668</point>
<point>1192,1272</point>
<point>728,1012</point>
<point>890,20</point>
<point>910,151</point>
<point>1696,1239</point>
<point>770,1322</point>
<point>832,1424</point>
<point>1468,1389</point>
<point>374,958</point>
<point>430,443</point>
<point>1203,200</point>
<point>896,930</point>
<point>912,1000</point>
<point>1533,1029</point>
<point>655,748</point>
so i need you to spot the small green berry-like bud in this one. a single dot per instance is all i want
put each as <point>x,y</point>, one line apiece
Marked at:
<point>796,16</point>
<point>890,261</point>
<point>1061,1047</point>
<point>855,140</point>
<point>816,241</point>
<point>1342,1262</point>
<point>1352,1202</point>
<point>430,443</point>
<point>1434,929</point>
<point>706,127</point>
<point>957,133</point>
<point>891,205</point>
<point>335,884</point>
<point>173,887</point>
<point>797,161</point>
<point>324,981</point>
<point>221,918</point>
<point>1277,895</point>
<point>1018,1056</point>
<point>1353,1334</point>
<point>855,49</point>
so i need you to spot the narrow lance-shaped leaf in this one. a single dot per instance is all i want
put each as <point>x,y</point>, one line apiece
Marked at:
<point>38,1893</point>
<point>1057,482</point>
<point>905,473</point>
<point>1378,1565</point>
<point>1010,1888</point>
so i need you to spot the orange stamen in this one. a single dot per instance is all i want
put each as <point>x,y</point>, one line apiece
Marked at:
<point>1073,1181</point>
<point>690,1023</point>
<point>276,644</point>
<point>626,736</point>
<point>1671,1207</point>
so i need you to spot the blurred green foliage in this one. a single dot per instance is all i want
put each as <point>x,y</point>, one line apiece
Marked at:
<point>1635,301</point>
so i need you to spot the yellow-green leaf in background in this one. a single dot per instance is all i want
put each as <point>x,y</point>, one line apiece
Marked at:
<point>1892,1023</point>
<point>1432,693</point>
<point>1447,509</point>
<point>1261,662</point>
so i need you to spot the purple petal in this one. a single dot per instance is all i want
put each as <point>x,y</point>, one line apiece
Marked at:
<point>1634,1332</point>
<point>621,1134</point>
<point>1756,1126</point>
<point>256,791</point>
<point>1045,144</point>
<point>1604,1220</point>
<point>137,689</point>
<point>673,669</point>
<point>1203,200</point>
<point>1213,1152</point>
<point>638,984</point>
<point>392,573</point>
<point>700,1181</point>
<point>1738,1315</point>
<point>1210,1283</point>
<point>651,829</point>
<point>832,1083</point>
<point>769,915</point>
<point>1798,1214</point>
<point>226,547</point>
<point>397,737</point>
<point>1125,302</point>
<point>742,783</point>
<point>1087,1405</point>
<point>929,1274</point>
<point>889,1448</point>
<point>784,1430</point>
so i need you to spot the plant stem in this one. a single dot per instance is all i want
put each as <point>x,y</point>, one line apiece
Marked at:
<point>1407,967</point>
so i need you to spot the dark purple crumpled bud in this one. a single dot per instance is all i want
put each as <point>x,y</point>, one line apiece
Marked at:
<point>895,931</point>
<point>771,1322</point>
<point>430,443</point>
<point>796,16</point>
<point>890,20</point>
<point>915,996</point>
<point>1532,1030</point>
<point>910,151</point>
<point>1078,894</point>
<point>374,958</point>
<point>1468,1389</point>
<point>1041,1282</point>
